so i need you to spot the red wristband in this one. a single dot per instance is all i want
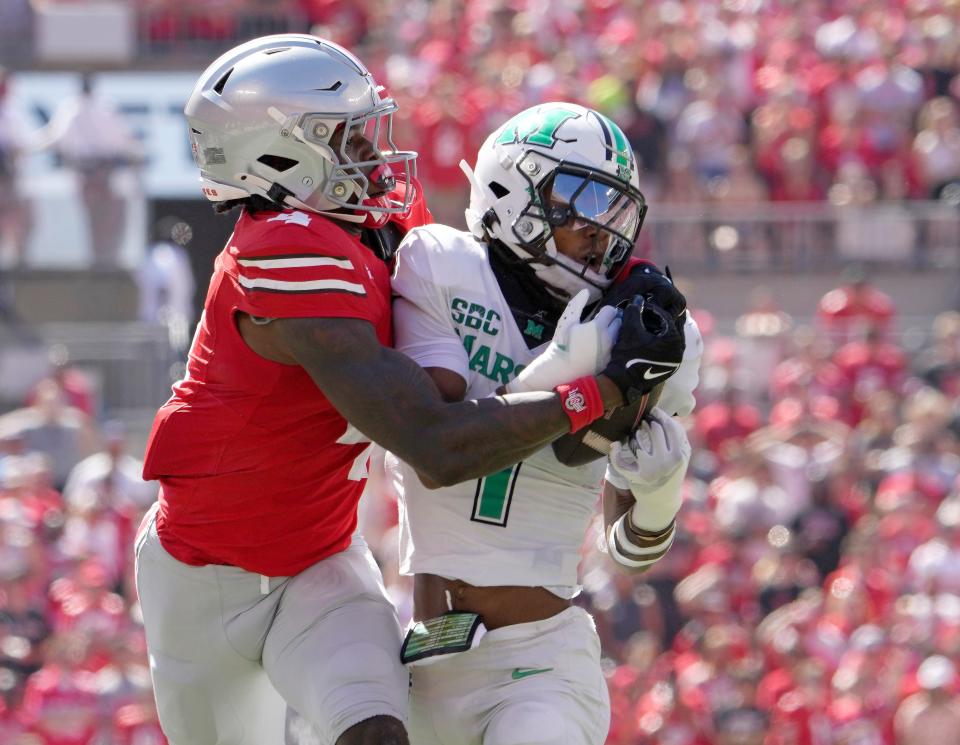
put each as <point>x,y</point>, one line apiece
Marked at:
<point>581,401</point>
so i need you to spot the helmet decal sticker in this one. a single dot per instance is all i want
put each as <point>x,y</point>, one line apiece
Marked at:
<point>535,127</point>
<point>618,144</point>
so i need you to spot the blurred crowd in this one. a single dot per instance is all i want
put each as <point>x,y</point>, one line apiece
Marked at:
<point>73,667</point>
<point>736,101</point>
<point>730,101</point>
<point>724,100</point>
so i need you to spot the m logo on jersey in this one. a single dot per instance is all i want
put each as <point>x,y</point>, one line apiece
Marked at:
<point>535,128</point>
<point>534,330</point>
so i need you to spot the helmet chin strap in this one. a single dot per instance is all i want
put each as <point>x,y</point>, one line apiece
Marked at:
<point>291,201</point>
<point>565,277</point>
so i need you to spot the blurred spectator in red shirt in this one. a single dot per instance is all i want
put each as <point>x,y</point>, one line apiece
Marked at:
<point>74,383</point>
<point>794,179</point>
<point>890,94</point>
<point>868,367</point>
<point>137,724</point>
<point>847,310</point>
<point>344,23</point>
<point>60,704</point>
<point>808,366</point>
<point>725,421</point>
<point>447,125</point>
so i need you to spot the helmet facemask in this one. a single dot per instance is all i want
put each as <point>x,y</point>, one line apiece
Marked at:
<point>349,182</point>
<point>576,198</point>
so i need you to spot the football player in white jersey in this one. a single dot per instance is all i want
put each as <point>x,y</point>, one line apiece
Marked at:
<point>499,654</point>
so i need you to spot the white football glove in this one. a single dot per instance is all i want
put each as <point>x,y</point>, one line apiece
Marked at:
<point>677,394</point>
<point>577,349</point>
<point>651,463</point>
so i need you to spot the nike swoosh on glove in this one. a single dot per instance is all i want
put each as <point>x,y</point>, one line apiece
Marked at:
<point>648,350</point>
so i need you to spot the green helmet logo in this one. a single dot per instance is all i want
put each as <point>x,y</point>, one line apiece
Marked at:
<point>535,127</point>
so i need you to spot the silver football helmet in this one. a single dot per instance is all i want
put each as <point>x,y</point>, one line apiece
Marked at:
<point>558,164</point>
<point>262,118</point>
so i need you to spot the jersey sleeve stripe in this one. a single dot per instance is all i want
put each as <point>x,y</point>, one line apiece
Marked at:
<point>292,262</point>
<point>316,285</point>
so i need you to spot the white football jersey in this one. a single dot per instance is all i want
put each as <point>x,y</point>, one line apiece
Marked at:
<point>525,524</point>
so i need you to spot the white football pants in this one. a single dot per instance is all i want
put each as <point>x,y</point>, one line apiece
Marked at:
<point>229,649</point>
<point>536,683</point>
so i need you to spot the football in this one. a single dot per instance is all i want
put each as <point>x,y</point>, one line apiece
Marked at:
<point>594,441</point>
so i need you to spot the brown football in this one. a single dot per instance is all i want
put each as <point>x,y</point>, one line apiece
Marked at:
<point>594,441</point>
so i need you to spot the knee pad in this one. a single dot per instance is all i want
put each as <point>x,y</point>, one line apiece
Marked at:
<point>364,662</point>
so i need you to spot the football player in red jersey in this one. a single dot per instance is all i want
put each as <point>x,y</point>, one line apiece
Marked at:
<point>255,590</point>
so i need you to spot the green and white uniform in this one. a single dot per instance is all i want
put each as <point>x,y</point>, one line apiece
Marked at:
<point>522,526</point>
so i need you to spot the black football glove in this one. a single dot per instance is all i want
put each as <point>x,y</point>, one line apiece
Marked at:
<point>648,350</point>
<point>646,281</point>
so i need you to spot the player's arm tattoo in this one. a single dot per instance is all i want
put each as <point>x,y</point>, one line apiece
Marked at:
<point>391,400</point>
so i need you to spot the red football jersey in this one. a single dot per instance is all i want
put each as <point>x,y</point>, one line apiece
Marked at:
<point>257,469</point>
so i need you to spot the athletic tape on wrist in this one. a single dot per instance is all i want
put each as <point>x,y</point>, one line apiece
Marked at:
<point>625,551</point>
<point>655,505</point>
<point>581,401</point>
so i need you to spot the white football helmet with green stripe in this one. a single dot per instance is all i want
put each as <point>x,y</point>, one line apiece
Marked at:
<point>549,165</point>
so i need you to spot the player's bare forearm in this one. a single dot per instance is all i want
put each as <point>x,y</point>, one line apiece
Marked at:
<point>394,402</point>
<point>616,502</point>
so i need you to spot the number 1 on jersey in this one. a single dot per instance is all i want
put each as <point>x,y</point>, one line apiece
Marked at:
<point>491,503</point>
